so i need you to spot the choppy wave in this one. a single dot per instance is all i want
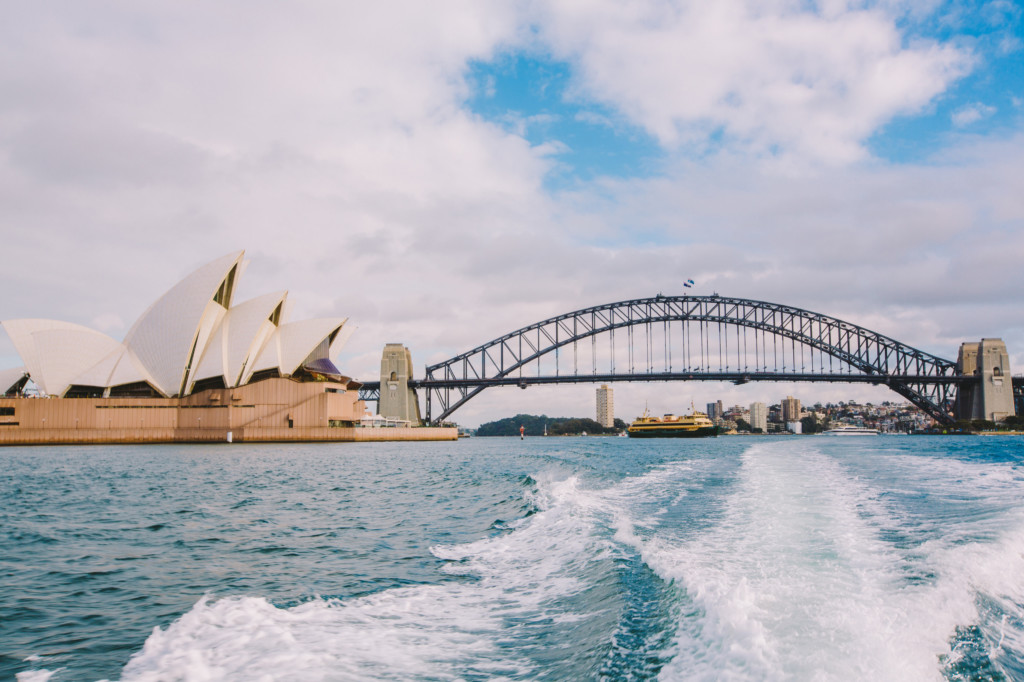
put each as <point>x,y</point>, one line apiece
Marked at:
<point>522,594</point>
<point>796,580</point>
<point>790,559</point>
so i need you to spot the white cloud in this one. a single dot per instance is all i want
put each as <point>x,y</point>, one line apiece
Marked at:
<point>1009,44</point>
<point>594,118</point>
<point>972,113</point>
<point>772,77</point>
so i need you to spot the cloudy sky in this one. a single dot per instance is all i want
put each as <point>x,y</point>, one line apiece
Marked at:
<point>446,172</point>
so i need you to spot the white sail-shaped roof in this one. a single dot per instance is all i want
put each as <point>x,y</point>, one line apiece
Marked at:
<point>171,335</point>
<point>61,367</point>
<point>117,368</point>
<point>299,339</point>
<point>293,342</point>
<point>9,378</point>
<point>341,339</point>
<point>240,338</point>
<point>192,333</point>
<point>56,352</point>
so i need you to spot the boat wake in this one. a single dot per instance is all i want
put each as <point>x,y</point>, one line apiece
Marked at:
<point>809,573</point>
<point>510,601</point>
<point>788,560</point>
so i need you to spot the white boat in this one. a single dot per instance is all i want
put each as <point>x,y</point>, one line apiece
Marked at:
<point>850,430</point>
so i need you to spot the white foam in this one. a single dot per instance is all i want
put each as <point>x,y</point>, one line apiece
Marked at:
<point>440,631</point>
<point>794,581</point>
<point>791,579</point>
<point>969,573</point>
<point>36,675</point>
<point>543,559</point>
<point>400,633</point>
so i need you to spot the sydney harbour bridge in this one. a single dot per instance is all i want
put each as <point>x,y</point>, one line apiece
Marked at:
<point>689,338</point>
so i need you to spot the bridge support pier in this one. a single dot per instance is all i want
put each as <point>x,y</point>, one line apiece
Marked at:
<point>397,399</point>
<point>991,395</point>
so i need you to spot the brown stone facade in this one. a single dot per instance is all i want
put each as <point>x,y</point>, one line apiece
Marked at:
<point>272,410</point>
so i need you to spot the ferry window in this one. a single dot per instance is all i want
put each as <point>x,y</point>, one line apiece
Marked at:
<point>291,424</point>
<point>6,411</point>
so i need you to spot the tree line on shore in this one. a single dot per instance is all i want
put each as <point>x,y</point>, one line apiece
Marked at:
<point>1010,423</point>
<point>534,425</point>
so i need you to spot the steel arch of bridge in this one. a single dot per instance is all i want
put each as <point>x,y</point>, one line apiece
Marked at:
<point>864,356</point>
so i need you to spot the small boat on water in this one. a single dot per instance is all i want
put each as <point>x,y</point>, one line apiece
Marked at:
<point>693,425</point>
<point>850,430</point>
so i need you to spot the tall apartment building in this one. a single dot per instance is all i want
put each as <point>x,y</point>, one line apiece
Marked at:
<point>715,411</point>
<point>759,417</point>
<point>605,407</point>
<point>791,409</point>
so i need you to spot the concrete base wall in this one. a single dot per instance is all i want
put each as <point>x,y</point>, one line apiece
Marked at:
<point>421,433</point>
<point>22,436</point>
<point>273,410</point>
<point>345,434</point>
<point>242,435</point>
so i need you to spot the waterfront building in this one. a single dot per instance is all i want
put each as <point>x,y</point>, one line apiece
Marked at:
<point>195,366</point>
<point>605,406</point>
<point>759,417</point>
<point>790,409</point>
<point>738,411</point>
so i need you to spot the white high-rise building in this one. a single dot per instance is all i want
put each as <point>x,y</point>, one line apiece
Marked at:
<point>759,417</point>
<point>605,407</point>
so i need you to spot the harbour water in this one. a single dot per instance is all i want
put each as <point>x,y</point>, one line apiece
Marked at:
<point>742,558</point>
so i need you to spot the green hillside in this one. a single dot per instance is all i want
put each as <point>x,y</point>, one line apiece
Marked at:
<point>557,426</point>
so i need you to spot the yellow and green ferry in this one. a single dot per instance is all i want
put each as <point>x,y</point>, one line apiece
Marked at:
<point>693,425</point>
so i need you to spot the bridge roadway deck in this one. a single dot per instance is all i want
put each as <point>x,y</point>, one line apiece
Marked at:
<point>734,377</point>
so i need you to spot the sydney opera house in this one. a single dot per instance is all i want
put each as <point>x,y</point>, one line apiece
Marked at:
<point>196,366</point>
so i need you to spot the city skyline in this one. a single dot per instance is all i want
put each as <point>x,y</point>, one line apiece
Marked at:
<point>480,168</point>
<point>887,417</point>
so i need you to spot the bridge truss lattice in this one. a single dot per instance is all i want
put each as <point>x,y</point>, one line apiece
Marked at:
<point>691,338</point>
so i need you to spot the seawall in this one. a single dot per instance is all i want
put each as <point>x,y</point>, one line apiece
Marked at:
<point>53,436</point>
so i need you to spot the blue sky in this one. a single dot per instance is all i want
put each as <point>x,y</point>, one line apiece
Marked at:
<point>988,101</point>
<point>538,96</point>
<point>528,94</point>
